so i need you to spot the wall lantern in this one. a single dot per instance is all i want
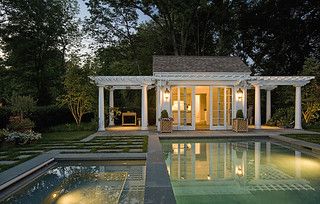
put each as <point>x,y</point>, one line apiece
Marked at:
<point>239,171</point>
<point>167,94</point>
<point>239,94</point>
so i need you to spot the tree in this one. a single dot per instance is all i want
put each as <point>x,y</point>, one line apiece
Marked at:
<point>78,89</point>
<point>279,35</point>
<point>311,92</point>
<point>35,35</point>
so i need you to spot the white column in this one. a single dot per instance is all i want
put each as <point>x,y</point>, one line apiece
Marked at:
<point>144,108</point>
<point>101,109</point>
<point>245,95</point>
<point>257,147</point>
<point>268,105</point>
<point>158,107</point>
<point>234,102</point>
<point>179,108</point>
<point>297,124</point>
<point>193,108</point>
<point>111,106</point>
<point>257,112</point>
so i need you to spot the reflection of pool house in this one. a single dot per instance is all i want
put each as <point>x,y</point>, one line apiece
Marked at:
<point>199,92</point>
<point>219,168</point>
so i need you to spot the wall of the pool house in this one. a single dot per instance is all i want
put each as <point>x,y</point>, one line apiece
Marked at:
<point>201,106</point>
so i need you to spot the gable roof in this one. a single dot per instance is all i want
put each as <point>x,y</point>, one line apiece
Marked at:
<point>198,64</point>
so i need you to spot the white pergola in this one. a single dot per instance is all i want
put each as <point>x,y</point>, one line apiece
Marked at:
<point>239,80</point>
<point>122,82</point>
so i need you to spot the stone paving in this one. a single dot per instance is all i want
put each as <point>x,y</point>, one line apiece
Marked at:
<point>113,143</point>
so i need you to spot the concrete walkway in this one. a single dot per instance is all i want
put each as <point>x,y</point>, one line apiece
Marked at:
<point>265,131</point>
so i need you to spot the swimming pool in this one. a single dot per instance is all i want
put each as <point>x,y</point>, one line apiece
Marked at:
<point>246,171</point>
<point>86,182</point>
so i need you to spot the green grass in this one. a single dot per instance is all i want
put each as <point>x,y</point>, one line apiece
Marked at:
<point>315,130</point>
<point>51,140</point>
<point>64,136</point>
<point>314,138</point>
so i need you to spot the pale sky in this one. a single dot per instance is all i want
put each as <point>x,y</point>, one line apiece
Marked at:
<point>83,13</point>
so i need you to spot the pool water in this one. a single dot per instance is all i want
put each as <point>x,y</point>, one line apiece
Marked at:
<point>86,183</point>
<point>226,171</point>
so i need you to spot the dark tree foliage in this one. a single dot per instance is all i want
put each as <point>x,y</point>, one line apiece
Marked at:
<point>279,35</point>
<point>274,37</point>
<point>35,35</point>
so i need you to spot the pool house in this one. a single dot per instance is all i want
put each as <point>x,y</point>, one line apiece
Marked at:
<point>199,92</point>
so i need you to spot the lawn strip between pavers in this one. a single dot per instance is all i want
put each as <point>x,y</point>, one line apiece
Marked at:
<point>112,144</point>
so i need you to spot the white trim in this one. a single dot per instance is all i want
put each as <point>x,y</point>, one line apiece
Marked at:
<point>174,74</point>
<point>193,108</point>
<point>203,78</point>
<point>225,108</point>
<point>179,116</point>
<point>210,107</point>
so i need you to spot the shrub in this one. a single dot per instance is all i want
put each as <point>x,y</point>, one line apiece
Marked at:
<point>283,117</point>
<point>21,125</point>
<point>3,135</point>
<point>48,116</point>
<point>22,105</point>
<point>22,138</point>
<point>239,114</point>
<point>5,113</point>
<point>164,114</point>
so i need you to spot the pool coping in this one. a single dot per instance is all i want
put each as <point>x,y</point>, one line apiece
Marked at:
<point>315,148</point>
<point>17,173</point>
<point>158,188</point>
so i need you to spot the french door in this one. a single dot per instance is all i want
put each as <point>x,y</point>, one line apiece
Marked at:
<point>182,104</point>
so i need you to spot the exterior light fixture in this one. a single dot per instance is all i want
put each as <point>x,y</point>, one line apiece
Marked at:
<point>166,94</point>
<point>239,94</point>
<point>239,171</point>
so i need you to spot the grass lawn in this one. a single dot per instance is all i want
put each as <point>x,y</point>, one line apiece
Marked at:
<point>314,138</point>
<point>315,130</point>
<point>71,140</point>
<point>64,136</point>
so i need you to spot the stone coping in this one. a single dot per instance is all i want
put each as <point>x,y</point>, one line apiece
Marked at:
<point>298,143</point>
<point>16,173</point>
<point>158,187</point>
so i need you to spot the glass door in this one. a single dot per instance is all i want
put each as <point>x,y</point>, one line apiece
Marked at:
<point>221,107</point>
<point>183,107</point>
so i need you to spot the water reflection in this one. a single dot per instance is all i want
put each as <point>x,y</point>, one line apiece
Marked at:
<point>224,168</point>
<point>85,183</point>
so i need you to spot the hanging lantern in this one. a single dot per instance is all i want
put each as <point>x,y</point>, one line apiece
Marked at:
<point>239,94</point>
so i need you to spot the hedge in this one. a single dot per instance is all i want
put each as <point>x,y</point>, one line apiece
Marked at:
<point>44,116</point>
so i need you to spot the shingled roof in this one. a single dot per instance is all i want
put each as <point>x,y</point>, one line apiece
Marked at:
<point>198,64</point>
